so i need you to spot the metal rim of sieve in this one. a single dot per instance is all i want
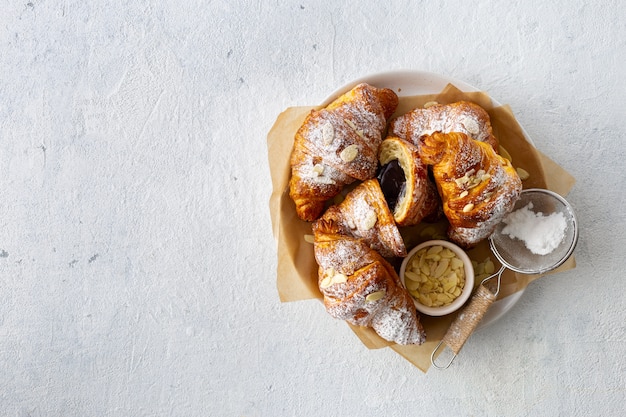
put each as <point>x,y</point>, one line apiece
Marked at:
<point>571,222</point>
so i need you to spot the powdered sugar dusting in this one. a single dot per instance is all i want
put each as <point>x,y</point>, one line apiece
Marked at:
<point>541,234</point>
<point>463,117</point>
<point>400,323</point>
<point>371,293</point>
<point>356,125</point>
<point>360,210</point>
<point>364,214</point>
<point>479,187</point>
<point>347,256</point>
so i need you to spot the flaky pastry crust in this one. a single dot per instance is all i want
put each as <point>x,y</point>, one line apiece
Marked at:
<point>338,145</point>
<point>361,287</point>
<point>477,186</point>
<point>461,116</point>
<point>419,199</point>
<point>364,214</point>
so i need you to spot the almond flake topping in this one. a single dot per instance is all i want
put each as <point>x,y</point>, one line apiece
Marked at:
<point>471,125</point>
<point>370,220</point>
<point>523,174</point>
<point>339,279</point>
<point>328,133</point>
<point>349,153</point>
<point>318,169</point>
<point>375,296</point>
<point>350,123</point>
<point>326,282</point>
<point>468,207</point>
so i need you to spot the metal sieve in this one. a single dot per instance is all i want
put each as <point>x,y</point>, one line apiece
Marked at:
<point>514,255</point>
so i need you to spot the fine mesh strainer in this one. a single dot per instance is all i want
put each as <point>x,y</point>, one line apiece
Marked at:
<point>514,255</point>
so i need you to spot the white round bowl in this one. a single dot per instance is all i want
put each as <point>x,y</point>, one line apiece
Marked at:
<point>469,279</point>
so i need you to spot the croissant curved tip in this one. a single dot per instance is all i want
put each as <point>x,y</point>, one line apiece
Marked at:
<point>325,226</point>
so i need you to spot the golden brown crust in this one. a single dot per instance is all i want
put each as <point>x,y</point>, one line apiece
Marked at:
<point>461,116</point>
<point>364,214</point>
<point>338,145</point>
<point>419,198</point>
<point>478,187</point>
<point>361,287</point>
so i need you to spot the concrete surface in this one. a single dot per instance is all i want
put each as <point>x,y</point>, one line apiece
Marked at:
<point>137,262</point>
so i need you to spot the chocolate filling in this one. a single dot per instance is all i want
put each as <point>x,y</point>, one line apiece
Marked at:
<point>392,183</point>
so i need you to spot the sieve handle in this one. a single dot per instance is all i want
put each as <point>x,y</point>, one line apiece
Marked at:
<point>465,323</point>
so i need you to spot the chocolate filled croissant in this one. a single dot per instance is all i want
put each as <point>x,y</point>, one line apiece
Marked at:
<point>338,145</point>
<point>461,116</point>
<point>409,191</point>
<point>361,287</point>
<point>364,214</point>
<point>477,186</point>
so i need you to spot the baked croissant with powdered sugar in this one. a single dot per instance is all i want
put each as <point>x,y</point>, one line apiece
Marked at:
<point>338,145</point>
<point>477,186</point>
<point>364,214</point>
<point>361,287</point>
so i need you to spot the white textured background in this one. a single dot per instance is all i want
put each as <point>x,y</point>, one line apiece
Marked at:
<point>137,263</point>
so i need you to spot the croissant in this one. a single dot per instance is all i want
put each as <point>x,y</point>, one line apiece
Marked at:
<point>338,145</point>
<point>477,186</point>
<point>364,214</point>
<point>408,190</point>
<point>462,116</point>
<point>361,287</point>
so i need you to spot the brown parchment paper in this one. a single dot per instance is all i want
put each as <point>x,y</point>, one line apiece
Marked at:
<point>297,269</point>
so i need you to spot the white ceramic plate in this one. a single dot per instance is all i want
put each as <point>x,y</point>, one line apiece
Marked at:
<point>411,83</point>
